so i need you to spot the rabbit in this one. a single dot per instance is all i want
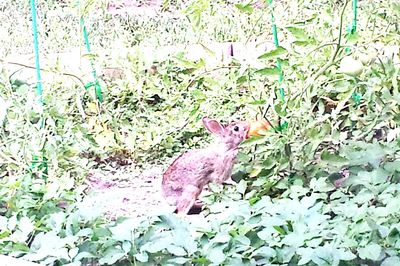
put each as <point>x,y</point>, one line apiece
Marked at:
<point>185,178</point>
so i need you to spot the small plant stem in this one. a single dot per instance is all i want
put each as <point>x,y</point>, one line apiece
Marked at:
<point>320,47</point>
<point>324,45</point>
<point>206,72</point>
<point>331,61</point>
<point>46,70</point>
<point>252,30</point>
<point>382,65</point>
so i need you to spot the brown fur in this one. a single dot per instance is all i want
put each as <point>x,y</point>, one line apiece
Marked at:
<point>185,178</point>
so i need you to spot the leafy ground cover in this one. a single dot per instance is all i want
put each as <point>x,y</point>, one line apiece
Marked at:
<point>324,190</point>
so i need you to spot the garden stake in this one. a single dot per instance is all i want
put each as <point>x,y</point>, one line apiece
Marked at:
<point>283,125</point>
<point>39,91</point>
<point>95,83</point>
<point>276,42</point>
<point>351,30</point>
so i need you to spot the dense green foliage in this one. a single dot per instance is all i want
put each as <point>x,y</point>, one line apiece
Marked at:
<point>322,191</point>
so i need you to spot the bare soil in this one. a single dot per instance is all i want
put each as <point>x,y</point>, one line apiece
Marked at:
<point>126,191</point>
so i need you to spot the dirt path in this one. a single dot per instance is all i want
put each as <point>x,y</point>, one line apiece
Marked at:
<point>126,191</point>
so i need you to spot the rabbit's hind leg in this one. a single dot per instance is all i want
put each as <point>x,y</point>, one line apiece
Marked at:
<point>187,199</point>
<point>196,208</point>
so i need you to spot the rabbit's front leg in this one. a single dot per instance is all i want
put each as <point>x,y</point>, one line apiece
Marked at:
<point>187,199</point>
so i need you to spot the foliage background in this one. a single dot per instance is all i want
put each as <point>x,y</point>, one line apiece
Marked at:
<point>324,191</point>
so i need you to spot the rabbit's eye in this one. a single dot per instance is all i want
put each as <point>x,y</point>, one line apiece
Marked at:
<point>236,128</point>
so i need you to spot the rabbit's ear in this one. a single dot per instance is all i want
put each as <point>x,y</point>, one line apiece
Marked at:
<point>213,126</point>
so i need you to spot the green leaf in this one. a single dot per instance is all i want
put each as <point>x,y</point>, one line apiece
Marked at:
<point>26,226</point>
<point>77,263</point>
<point>156,245</point>
<point>299,33</point>
<point>305,255</point>
<point>353,37</point>
<point>280,230</point>
<point>12,222</point>
<point>222,238</point>
<point>241,187</point>
<point>56,220</point>
<point>201,261</point>
<point>286,253</point>
<point>392,166</point>
<point>84,255</point>
<point>126,246</point>
<point>323,254</point>
<point>265,252</point>
<point>375,177</point>
<point>176,251</point>
<point>370,252</point>
<point>50,239</point>
<point>245,8</point>
<point>199,95</point>
<point>3,223</point>
<point>333,159</point>
<point>393,236</point>
<point>256,171</point>
<point>189,64</point>
<point>216,254</point>
<point>178,260</point>
<point>390,261</point>
<point>90,56</point>
<point>242,80</point>
<point>279,51</point>
<point>395,81</point>
<point>360,154</point>
<point>320,185</point>
<point>345,97</point>
<point>183,239</point>
<point>142,257</point>
<point>345,255</point>
<point>122,231</point>
<point>111,256</point>
<point>85,232</point>
<point>254,140</point>
<point>258,102</point>
<point>269,71</point>
<point>73,252</point>
<point>269,163</point>
<point>243,240</point>
<point>364,195</point>
<point>101,232</point>
<point>295,239</point>
<point>280,108</point>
